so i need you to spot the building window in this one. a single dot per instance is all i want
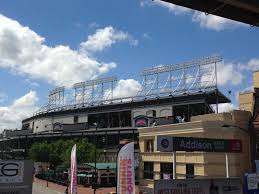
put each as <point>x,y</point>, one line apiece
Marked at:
<point>257,147</point>
<point>189,170</point>
<point>75,119</point>
<point>149,145</point>
<point>166,170</point>
<point>148,170</point>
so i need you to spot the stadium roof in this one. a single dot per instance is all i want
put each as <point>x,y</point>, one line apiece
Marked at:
<point>209,97</point>
<point>246,11</point>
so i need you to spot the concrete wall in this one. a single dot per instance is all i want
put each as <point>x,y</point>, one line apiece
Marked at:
<point>68,119</point>
<point>45,123</point>
<point>82,118</point>
<point>161,111</point>
<point>246,101</point>
<point>41,124</point>
<point>256,79</point>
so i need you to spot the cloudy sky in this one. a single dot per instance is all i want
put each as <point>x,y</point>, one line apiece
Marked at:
<point>44,44</point>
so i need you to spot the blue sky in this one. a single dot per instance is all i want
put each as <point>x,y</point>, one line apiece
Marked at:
<point>133,35</point>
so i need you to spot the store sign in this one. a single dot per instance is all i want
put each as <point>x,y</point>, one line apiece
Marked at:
<point>198,186</point>
<point>251,183</point>
<point>169,144</point>
<point>16,176</point>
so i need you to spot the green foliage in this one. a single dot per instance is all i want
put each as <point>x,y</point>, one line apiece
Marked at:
<point>58,152</point>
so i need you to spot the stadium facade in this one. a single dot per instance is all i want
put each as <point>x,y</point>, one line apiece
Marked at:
<point>168,94</point>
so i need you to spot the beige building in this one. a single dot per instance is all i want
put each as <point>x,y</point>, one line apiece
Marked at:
<point>247,98</point>
<point>155,165</point>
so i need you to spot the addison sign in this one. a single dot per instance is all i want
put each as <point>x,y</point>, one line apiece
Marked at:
<point>169,144</point>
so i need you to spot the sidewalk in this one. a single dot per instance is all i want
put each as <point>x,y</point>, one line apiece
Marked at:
<point>80,190</point>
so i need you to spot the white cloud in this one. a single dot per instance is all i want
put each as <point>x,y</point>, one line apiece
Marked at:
<point>105,38</point>
<point>125,88</point>
<point>23,51</point>
<point>3,97</point>
<point>94,25</point>
<point>172,7</point>
<point>213,22</point>
<point>175,9</point>
<point>225,107</point>
<point>21,108</point>
<point>253,64</point>
<point>229,73</point>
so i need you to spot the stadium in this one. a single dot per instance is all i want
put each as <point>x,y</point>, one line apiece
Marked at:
<point>169,94</point>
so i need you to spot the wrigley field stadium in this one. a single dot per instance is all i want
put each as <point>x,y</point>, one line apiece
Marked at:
<point>169,94</point>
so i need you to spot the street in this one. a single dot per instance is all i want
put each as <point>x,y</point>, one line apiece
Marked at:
<point>38,189</point>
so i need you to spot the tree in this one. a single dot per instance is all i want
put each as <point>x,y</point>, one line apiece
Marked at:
<point>40,152</point>
<point>58,152</point>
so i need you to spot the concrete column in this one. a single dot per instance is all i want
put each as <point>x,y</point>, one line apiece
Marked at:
<point>174,165</point>
<point>227,169</point>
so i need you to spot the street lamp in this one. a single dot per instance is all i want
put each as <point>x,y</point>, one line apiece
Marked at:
<point>95,171</point>
<point>48,177</point>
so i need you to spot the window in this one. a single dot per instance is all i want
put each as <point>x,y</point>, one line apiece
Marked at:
<point>257,147</point>
<point>75,119</point>
<point>166,170</point>
<point>189,170</point>
<point>149,145</point>
<point>148,170</point>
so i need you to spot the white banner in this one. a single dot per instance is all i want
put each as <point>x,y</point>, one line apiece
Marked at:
<point>73,171</point>
<point>125,170</point>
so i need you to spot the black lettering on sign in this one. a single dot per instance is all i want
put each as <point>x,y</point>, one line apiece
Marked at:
<point>9,169</point>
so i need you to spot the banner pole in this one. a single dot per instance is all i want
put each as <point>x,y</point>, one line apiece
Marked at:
<point>174,165</point>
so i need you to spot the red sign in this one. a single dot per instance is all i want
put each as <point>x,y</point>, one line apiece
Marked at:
<point>235,145</point>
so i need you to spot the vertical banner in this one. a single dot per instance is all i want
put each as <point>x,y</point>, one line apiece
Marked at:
<point>125,170</point>
<point>73,170</point>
